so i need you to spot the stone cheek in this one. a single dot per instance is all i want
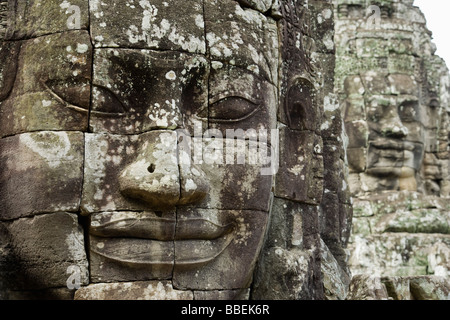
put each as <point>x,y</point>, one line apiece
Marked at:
<point>50,244</point>
<point>43,173</point>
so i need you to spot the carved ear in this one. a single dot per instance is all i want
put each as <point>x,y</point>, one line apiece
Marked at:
<point>9,54</point>
<point>299,105</point>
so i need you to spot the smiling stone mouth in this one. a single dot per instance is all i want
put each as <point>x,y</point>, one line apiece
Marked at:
<point>139,239</point>
<point>392,145</point>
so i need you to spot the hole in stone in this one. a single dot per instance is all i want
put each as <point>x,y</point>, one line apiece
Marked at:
<point>151,168</point>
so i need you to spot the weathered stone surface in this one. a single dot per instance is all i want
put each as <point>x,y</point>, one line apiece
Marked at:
<point>300,176</point>
<point>172,210</point>
<point>124,86</point>
<point>121,163</point>
<point>240,294</point>
<point>149,25</point>
<point>131,246</point>
<point>43,173</point>
<point>138,290</point>
<point>241,100</point>
<point>9,52</point>
<point>394,91</point>
<point>221,258</point>
<point>46,294</point>
<point>50,245</point>
<point>400,234</point>
<point>150,161</point>
<point>288,267</point>
<point>396,254</point>
<point>36,18</point>
<point>51,93</point>
<point>242,37</point>
<point>395,100</point>
<point>365,287</point>
<point>336,281</point>
<point>285,275</point>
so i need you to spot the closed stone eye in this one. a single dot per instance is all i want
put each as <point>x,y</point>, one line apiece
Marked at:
<point>232,109</point>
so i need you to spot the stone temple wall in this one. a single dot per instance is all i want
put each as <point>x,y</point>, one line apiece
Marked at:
<point>394,92</point>
<point>104,105</point>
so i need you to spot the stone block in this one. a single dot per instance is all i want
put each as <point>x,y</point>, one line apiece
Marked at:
<point>300,176</point>
<point>357,159</point>
<point>42,252</point>
<point>124,86</point>
<point>149,25</point>
<point>52,85</point>
<point>43,172</point>
<point>242,37</point>
<point>36,18</point>
<point>125,181</point>
<point>139,290</point>
<point>285,275</point>
<point>128,245</point>
<point>241,100</point>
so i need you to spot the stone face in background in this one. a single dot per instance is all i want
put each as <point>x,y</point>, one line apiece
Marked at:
<point>394,98</point>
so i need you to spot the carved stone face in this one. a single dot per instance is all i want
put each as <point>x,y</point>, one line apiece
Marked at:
<point>156,211</point>
<point>385,124</point>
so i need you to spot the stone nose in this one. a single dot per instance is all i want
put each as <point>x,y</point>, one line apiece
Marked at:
<point>394,128</point>
<point>155,176</point>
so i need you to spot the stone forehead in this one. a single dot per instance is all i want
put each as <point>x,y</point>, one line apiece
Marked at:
<point>221,29</point>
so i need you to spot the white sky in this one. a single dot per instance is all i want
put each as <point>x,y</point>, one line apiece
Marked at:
<point>437,13</point>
